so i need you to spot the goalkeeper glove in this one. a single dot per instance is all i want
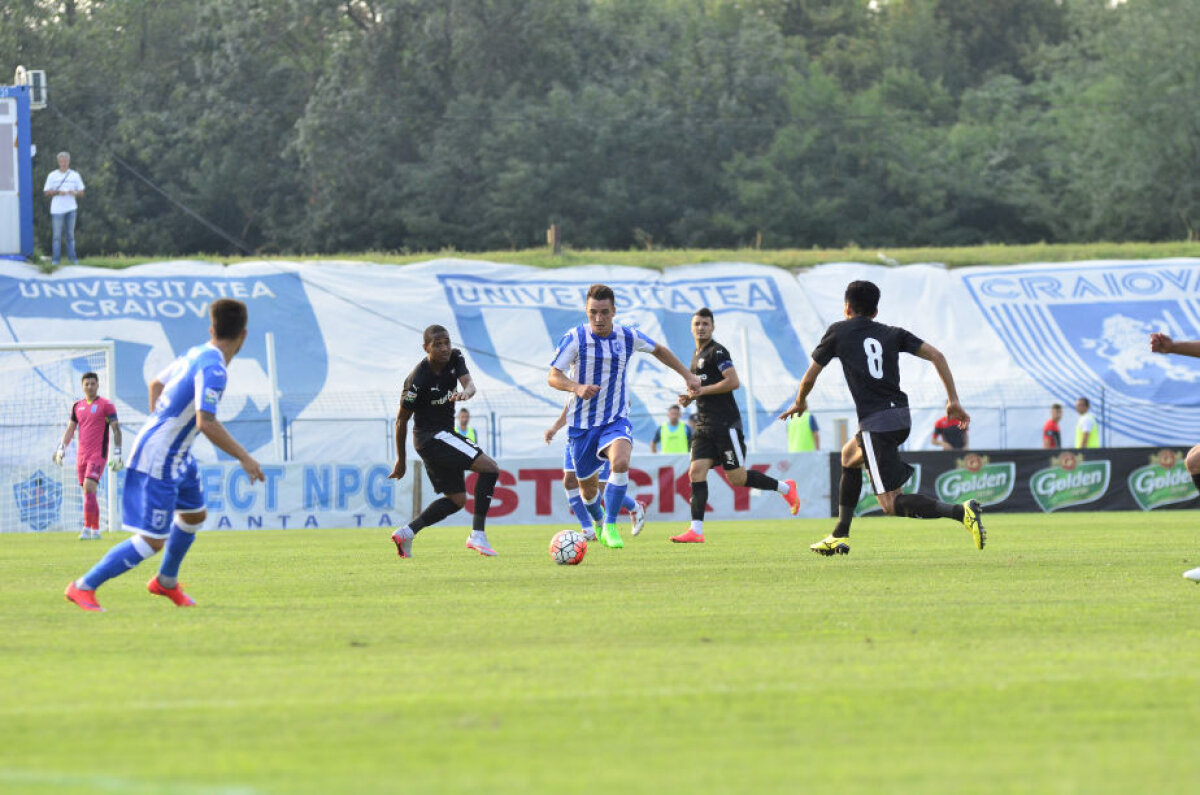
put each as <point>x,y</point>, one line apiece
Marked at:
<point>59,453</point>
<point>115,463</point>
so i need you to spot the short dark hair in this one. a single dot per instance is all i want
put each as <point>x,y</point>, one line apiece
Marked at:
<point>228,318</point>
<point>602,292</point>
<point>863,298</point>
<point>1087,404</point>
<point>675,407</point>
<point>434,331</point>
<point>465,410</point>
<point>1056,406</point>
<point>87,375</point>
<point>704,311</point>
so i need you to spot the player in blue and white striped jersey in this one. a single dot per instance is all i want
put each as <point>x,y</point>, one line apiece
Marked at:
<point>591,362</point>
<point>163,501</point>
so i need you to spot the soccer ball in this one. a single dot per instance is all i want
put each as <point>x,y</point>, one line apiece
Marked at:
<point>568,548</point>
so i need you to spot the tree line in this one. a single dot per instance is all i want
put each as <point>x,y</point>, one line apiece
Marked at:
<point>324,126</point>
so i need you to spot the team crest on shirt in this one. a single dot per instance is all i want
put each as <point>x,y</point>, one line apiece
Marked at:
<point>158,518</point>
<point>700,362</point>
<point>39,500</point>
<point>1083,330</point>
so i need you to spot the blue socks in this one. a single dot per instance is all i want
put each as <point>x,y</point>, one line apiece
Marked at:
<point>580,508</point>
<point>120,559</point>
<point>614,496</point>
<point>595,510</point>
<point>178,544</point>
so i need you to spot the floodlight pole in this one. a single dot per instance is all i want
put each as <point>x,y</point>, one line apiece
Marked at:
<point>273,378</point>
<point>751,410</point>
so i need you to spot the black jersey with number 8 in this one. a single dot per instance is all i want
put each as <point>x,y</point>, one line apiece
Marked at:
<point>870,356</point>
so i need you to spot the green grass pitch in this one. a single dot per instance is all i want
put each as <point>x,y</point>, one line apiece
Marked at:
<point>1064,658</point>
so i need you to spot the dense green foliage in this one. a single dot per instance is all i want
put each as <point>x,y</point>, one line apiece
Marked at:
<point>659,258</point>
<point>1061,659</point>
<point>314,126</point>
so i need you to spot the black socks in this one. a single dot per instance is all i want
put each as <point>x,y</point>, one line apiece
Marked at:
<point>848,492</point>
<point>761,481</point>
<point>918,506</point>
<point>699,500</point>
<point>435,512</point>
<point>485,484</point>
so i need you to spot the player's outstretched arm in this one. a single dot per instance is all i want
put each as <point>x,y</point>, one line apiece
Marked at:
<point>665,356</point>
<point>557,426</point>
<point>1161,343</point>
<point>560,381</point>
<point>954,409</point>
<point>401,466</point>
<point>807,382</point>
<point>468,388</point>
<point>211,427</point>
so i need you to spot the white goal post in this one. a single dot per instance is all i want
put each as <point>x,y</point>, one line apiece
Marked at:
<point>39,382</point>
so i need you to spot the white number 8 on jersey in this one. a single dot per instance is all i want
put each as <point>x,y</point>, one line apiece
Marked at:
<point>874,357</point>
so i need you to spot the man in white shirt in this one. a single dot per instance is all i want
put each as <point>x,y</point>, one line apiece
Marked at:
<point>63,186</point>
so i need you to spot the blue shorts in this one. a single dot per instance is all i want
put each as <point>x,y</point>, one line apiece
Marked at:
<point>148,504</point>
<point>584,446</point>
<point>569,464</point>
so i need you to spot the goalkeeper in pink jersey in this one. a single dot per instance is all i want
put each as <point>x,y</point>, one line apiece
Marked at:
<point>93,415</point>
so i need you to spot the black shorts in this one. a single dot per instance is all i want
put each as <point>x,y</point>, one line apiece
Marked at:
<point>723,445</point>
<point>447,457</point>
<point>881,457</point>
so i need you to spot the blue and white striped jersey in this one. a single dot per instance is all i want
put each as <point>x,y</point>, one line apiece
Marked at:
<point>193,382</point>
<point>604,361</point>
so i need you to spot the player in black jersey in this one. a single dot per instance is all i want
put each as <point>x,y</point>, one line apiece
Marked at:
<point>1161,343</point>
<point>870,356</point>
<point>430,392</point>
<point>719,429</point>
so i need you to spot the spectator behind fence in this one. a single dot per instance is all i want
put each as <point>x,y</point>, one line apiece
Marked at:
<point>950,435</point>
<point>1087,430</point>
<point>803,433</point>
<point>674,435</point>
<point>63,186</point>
<point>463,427</point>
<point>1051,433</point>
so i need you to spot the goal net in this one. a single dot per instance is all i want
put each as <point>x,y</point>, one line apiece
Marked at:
<point>39,382</point>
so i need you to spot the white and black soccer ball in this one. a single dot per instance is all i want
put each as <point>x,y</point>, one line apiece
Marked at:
<point>568,548</point>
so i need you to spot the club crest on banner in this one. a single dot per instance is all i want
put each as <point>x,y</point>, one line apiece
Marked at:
<point>39,500</point>
<point>1083,330</point>
<point>154,319</point>
<point>512,325</point>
